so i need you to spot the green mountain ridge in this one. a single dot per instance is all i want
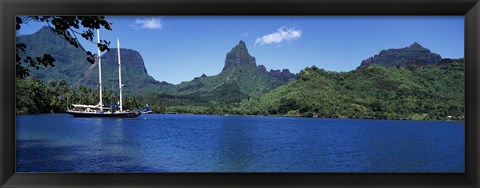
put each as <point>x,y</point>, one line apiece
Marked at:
<point>405,83</point>
<point>135,77</point>
<point>240,79</point>
<point>371,92</point>
<point>71,65</point>
<point>70,62</point>
<point>240,68</point>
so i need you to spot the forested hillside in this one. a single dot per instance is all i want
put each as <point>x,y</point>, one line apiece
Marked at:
<point>404,83</point>
<point>241,78</point>
<point>374,92</point>
<point>71,65</point>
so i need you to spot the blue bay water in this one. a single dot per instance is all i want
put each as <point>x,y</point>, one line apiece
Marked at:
<point>209,143</point>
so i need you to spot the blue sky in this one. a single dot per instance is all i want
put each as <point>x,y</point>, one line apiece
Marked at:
<point>179,48</point>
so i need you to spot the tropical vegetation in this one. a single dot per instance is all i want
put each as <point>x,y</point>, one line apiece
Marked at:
<point>406,83</point>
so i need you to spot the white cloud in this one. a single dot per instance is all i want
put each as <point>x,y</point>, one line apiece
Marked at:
<point>148,23</point>
<point>283,34</point>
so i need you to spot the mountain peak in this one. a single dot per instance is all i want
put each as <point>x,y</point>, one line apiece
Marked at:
<point>239,56</point>
<point>415,45</point>
<point>131,59</point>
<point>414,54</point>
<point>241,43</point>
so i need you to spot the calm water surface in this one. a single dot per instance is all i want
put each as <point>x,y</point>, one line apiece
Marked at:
<point>205,143</point>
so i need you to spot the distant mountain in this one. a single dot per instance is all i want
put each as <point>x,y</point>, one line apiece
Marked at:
<point>406,83</point>
<point>71,64</point>
<point>372,91</point>
<point>135,77</point>
<point>239,56</point>
<point>284,75</point>
<point>414,55</point>
<point>384,86</point>
<point>239,79</point>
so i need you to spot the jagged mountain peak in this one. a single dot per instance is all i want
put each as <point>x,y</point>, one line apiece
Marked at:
<point>239,56</point>
<point>242,43</point>
<point>416,45</point>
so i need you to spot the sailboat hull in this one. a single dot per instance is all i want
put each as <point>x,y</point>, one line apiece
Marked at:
<point>105,115</point>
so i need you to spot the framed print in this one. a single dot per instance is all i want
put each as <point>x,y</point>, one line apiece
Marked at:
<point>239,93</point>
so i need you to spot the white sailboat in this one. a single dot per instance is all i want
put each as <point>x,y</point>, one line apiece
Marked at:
<point>99,110</point>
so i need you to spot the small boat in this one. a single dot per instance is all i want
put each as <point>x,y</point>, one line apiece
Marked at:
<point>147,110</point>
<point>100,110</point>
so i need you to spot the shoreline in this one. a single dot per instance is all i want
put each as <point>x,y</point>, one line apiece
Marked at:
<point>272,116</point>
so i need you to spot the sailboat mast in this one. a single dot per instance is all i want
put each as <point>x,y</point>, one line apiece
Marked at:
<point>119,74</point>
<point>99,70</point>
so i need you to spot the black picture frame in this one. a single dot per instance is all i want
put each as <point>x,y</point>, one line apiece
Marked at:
<point>9,8</point>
